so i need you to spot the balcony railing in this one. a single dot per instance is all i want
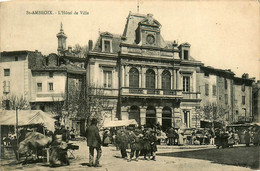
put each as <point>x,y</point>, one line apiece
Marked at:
<point>245,118</point>
<point>150,92</point>
<point>191,95</point>
<point>169,92</point>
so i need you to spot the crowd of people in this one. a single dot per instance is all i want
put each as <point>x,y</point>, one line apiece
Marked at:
<point>142,142</point>
<point>135,141</point>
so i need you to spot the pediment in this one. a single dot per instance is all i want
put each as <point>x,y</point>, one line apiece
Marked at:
<point>185,44</point>
<point>150,21</point>
<point>106,34</point>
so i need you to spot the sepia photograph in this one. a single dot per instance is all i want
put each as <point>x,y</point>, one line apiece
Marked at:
<point>135,85</point>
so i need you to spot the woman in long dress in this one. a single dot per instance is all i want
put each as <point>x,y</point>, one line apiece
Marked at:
<point>180,139</point>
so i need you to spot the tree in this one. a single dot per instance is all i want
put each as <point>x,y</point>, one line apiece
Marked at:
<point>12,101</point>
<point>80,51</point>
<point>213,112</point>
<point>81,105</point>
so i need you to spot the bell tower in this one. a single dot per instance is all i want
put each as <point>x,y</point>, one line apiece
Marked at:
<point>61,41</point>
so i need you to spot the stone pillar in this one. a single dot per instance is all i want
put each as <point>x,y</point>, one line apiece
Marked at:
<point>177,116</point>
<point>127,76</point>
<point>124,113</point>
<point>194,81</point>
<point>159,114</point>
<point>174,79</point>
<point>143,77</point>
<point>142,115</point>
<point>159,79</point>
<point>113,79</point>
<point>156,78</point>
<point>140,77</point>
<point>122,76</point>
<point>178,84</point>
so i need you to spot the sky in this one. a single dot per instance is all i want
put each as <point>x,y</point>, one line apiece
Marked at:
<point>223,34</point>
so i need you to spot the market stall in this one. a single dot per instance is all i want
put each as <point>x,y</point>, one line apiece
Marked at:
<point>27,119</point>
<point>119,123</point>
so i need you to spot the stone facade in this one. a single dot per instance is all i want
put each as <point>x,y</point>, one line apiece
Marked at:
<point>256,102</point>
<point>148,78</point>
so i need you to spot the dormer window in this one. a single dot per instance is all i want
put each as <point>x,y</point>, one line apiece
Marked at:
<point>186,55</point>
<point>184,51</point>
<point>106,42</point>
<point>107,46</point>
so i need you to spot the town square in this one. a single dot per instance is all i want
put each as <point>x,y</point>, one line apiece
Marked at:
<point>130,85</point>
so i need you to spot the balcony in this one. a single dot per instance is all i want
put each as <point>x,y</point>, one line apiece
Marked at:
<point>49,96</point>
<point>191,95</point>
<point>144,92</point>
<point>245,118</point>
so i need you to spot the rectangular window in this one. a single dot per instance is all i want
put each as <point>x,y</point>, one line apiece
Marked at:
<point>187,118</point>
<point>186,83</point>
<point>226,99</point>
<point>226,83</point>
<point>6,86</point>
<point>214,90</point>
<point>244,109</point>
<point>186,54</point>
<point>50,86</point>
<point>243,87</point>
<point>206,89</point>
<point>243,100</point>
<point>39,87</point>
<point>107,46</point>
<point>16,58</point>
<point>6,72</point>
<point>107,79</point>
<point>51,74</point>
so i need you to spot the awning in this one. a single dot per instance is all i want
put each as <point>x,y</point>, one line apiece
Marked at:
<point>119,123</point>
<point>27,117</point>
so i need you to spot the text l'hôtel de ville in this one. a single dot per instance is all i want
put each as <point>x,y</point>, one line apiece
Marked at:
<point>50,12</point>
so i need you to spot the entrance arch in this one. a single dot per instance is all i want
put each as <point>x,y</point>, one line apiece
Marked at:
<point>134,113</point>
<point>150,116</point>
<point>166,118</point>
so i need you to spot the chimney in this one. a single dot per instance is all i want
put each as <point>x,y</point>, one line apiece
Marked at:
<point>175,44</point>
<point>245,75</point>
<point>70,49</point>
<point>90,45</point>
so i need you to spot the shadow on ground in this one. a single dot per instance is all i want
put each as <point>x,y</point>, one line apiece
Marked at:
<point>237,156</point>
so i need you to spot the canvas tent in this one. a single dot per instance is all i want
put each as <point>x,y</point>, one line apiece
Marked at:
<point>27,117</point>
<point>118,123</point>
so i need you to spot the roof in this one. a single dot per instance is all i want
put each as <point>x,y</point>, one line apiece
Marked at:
<point>223,71</point>
<point>72,69</point>
<point>132,24</point>
<point>27,117</point>
<point>19,52</point>
<point>116,40</point>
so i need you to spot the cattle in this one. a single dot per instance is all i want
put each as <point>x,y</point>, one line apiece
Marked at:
<point>34,143</point>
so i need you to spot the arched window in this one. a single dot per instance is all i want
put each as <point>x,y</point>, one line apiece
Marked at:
<point>134,113</point>
<point>166,118</point>
<point>150,116</point>
<point>133,78</point>
<point>166,80</point>
<point>150,79</point>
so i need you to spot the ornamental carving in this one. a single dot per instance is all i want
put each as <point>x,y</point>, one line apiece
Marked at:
<point>150,52</point>
<point>166,54</point>
<point>134,50</point>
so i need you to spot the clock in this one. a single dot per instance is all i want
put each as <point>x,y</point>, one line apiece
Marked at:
<point>150,39</point>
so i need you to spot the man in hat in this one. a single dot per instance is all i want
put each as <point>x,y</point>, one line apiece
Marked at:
<point>94,142</point>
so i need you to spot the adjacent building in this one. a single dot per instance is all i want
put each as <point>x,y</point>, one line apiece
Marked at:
<point>256,101</point>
